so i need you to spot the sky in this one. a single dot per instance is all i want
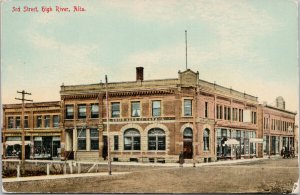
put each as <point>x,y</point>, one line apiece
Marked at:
<point>249,45</point>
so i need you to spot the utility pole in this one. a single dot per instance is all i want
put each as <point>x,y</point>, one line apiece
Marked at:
<point>22,126</point>
<point>107,124</point>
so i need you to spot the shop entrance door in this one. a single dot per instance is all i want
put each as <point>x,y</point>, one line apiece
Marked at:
<point>188,143</point>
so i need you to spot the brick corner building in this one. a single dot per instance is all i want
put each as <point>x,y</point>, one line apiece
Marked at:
<point>153,121</point>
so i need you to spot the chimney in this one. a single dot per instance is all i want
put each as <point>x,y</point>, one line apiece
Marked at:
<point>139,73</point>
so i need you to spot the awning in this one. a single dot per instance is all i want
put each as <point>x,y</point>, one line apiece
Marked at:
<point>256,140</point>
<point>11,143</point>
<point>232,142</point>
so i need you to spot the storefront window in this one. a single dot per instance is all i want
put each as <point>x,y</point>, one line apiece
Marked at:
<point>94,139</point>
<point>42,147</point>
<point>132,139</point>
<point>156,139</point>
<point>116,142</point>
<point>81,134</point>
<point>206,140</point>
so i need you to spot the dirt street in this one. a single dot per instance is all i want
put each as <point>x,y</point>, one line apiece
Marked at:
<point>269,175</point>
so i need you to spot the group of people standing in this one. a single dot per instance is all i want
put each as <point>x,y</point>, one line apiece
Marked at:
<point>287,152</point>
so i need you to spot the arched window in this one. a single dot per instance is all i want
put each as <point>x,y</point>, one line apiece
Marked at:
<point>206,139</point>
<point>132,139</point>
<point>188,133</point>
<point>156,139</point>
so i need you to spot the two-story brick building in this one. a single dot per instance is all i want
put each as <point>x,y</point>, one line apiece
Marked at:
<point>278,127</point>
<point>153,120</point>
<point>41,126</point>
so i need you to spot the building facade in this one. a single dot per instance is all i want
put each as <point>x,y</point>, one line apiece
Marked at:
<point>153,121</point>
<point>278,126</point>
<point>42,130</point>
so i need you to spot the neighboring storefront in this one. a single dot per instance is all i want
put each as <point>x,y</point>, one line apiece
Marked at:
<point>235,143</point>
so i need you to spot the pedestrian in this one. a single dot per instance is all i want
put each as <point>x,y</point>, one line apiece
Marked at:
<point>181,159</point>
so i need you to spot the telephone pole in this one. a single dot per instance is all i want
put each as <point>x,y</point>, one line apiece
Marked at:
<point>22,126</point>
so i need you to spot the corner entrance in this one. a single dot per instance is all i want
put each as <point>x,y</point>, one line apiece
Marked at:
<point>188,143</point>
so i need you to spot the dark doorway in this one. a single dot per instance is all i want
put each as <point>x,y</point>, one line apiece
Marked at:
<point>188,143</point>
<point>105,148</point>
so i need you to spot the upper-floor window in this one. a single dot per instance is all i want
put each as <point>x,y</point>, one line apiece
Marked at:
<point>253,119</point>
<point>55,121</point>
<point>69,111</point>
<point>39,121</point>
<point>156,108</point>
<point>115,109</point>
<point>26,124</point>
<point>135,109</point>
<point>47,121</point>
<point>18,122</point>
<point>187,108</point>
<point>206,110</point>
<point>10,122</point>
<point>82,111</point>
<point>94,111</point>
<point>234,114</point>
<point>219,111</point>
<point>227,113</point>
<point>241,115</point>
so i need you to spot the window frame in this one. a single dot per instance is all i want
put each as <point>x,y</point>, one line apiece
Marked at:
<point>206,140</point>
<point>94,138</point>
<point>69,115</point>
<point>116,142</point>
<point>185,107</point>
<point>81,115</point>
<point>18,124</point>
<point>95,114</point>
<point>157,136</point>
<point>53,121</point>
<point>113,105</point>
<point>132,140</point>
<point>39,121</point>
<point>47,121</point>
<point>206,109</point>
<point>81,138</point>
<point>10,122</point>
<point>138,111</point>
<point>26,122</point>
<point>156,108</point>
